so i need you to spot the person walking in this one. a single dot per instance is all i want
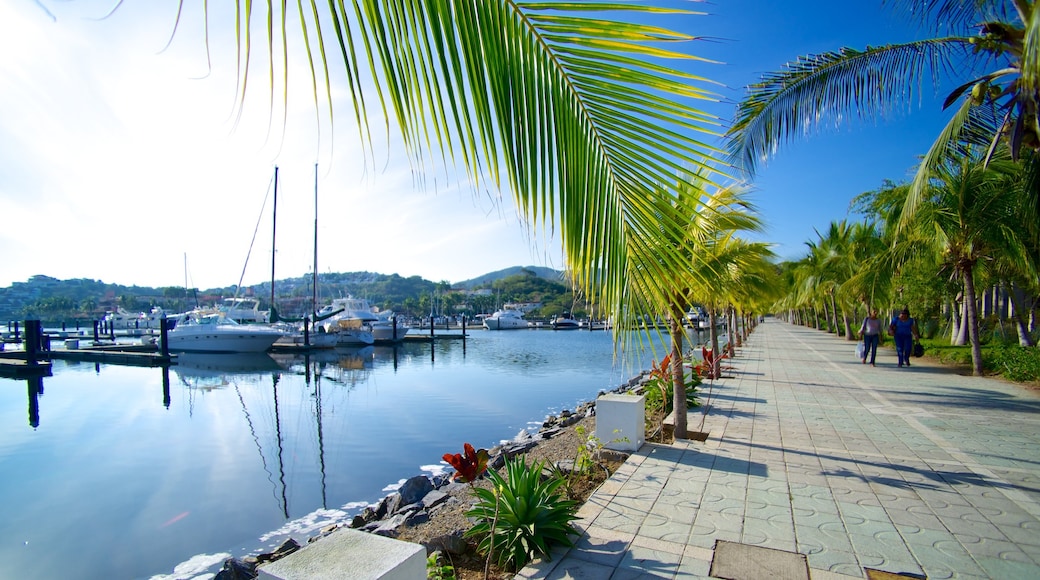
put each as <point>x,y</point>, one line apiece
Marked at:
<point>904,331</point>
<point>870,331</point>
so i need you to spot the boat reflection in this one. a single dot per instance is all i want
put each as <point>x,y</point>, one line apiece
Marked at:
<point>209,365</point>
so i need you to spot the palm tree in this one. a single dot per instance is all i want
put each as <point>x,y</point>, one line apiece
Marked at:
<point>568,107</point>
<point>709,221</point>
<point>969,218</point>
<point>997,105</point>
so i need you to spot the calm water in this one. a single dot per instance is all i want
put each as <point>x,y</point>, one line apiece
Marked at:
<point>104,475</point>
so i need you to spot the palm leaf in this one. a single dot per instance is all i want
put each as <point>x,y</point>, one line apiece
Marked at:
<point>823,87</point>
<point>569,107</point>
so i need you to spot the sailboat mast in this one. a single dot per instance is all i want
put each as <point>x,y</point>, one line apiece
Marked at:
<point>274,228</point>
<point>314,282</point>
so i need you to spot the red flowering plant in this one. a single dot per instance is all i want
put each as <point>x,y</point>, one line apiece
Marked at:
<point>469,465</point>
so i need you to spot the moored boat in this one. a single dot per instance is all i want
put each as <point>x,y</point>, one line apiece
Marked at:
<point>565,321</point>
<point>506,320</point>
<point>213,332</point>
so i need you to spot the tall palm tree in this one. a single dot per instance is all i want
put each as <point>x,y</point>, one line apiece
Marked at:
<point>568,107</point>
<point>994,44</point>
<point>969,217</point>
<point>708,218</point>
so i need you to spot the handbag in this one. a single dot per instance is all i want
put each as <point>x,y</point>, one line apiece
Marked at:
<point>860,351</point>
<point>918,350</point>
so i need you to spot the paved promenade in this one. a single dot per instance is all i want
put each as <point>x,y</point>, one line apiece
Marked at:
<point>818,466</point>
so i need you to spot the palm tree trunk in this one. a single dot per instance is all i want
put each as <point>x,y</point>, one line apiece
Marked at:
<point>675,328</point>
<point>834,313</point>
<point>961,336</point>
<point>713,332</point>
<point>1024,338</point>
<point>730,330</point>
<point>848,326</point>
<point>972,319</point>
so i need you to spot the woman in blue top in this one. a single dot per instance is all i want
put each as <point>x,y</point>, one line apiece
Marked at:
<point>904,330</point>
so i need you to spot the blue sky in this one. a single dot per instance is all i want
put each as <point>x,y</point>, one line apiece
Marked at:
<point>121,160</point>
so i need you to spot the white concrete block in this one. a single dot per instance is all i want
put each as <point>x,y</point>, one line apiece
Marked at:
<point>351,555</point>
<point>620,423</point>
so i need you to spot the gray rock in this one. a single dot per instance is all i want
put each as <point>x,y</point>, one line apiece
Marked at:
<point>414,489</point>
<point>449,543</point>
<point>416,518</point>
<point>434,498</point>
<point>392,504</point>
<point>390,527</point>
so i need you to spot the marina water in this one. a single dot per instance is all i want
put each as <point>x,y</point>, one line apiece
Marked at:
<point>125,472</point>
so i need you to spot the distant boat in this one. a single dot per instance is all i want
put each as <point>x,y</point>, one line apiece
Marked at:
<point>124,320</point>
<point>564,321</point>
<point>357,313</point>
<point>208,331</point>
<point>506,320</point>
<point>244,310</point>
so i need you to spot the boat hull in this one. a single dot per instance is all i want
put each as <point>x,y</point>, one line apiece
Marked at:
<point>213,338</point>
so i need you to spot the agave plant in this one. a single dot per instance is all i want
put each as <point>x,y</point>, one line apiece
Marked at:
<point>522,516</point>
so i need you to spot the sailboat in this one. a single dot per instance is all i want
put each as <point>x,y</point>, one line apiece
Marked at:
<point>306,337</point>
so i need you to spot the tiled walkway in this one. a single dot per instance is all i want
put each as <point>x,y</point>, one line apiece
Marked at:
<point>910,470</point>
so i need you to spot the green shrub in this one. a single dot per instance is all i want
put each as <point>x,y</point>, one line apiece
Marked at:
<point>1015,363</point>
<point>437,570</point>
<point>522,516</point>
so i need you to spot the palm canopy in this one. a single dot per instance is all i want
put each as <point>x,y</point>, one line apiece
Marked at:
<point>569,106</point>
<point>998,104</point>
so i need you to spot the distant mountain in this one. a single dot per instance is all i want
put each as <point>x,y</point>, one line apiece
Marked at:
<point>487,279</point>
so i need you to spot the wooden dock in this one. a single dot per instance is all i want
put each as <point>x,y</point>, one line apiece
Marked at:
<point>16,368</point>
<point>140,355</point>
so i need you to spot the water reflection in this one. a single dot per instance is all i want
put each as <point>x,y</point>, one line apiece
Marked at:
<point>246,450</point>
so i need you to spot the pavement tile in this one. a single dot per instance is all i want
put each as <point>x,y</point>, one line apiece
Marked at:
<point>865,512</point>
<point>695,564</point>
<point>641,562</point>
<point>661,527</point>
<point>945,559</point>
<point>835,561</point>
<point>601,546</point>
<point>769,534</point>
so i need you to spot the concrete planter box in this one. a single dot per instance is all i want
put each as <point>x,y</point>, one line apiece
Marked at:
<point>620,422</point>
<point>350,555</point>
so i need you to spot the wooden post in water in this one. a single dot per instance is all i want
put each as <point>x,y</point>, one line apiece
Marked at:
<point>463,326</point>
<point>431,329</point>
<point>307,331</point>
<point>112,330</point>
<point>393,320</point>
<point>32,340</point>
<point>17,337</point>
<point>164,335</point>
<point>96,323</point>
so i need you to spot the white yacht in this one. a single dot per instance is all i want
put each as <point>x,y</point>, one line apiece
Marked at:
<point>505,320</point>
<point>357,313</point>
<point>123,320</point>
<point>208,331</point>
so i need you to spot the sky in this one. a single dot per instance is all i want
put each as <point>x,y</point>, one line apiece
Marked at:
<point>123,157</point>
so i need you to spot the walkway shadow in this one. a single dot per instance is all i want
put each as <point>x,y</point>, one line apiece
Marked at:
<point>976,399</point>
<point>727,464</point>
<point>941,478</point>
<point>719,397</point>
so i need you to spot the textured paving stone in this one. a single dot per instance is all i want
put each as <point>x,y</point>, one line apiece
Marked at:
<point>920,471</point>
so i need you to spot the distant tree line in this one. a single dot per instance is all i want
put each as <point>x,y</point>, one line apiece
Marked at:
<point>55,300</point>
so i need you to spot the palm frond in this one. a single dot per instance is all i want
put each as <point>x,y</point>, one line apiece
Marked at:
<point>832,86</point>
<point>953,15</point>
<point>573,108</point>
